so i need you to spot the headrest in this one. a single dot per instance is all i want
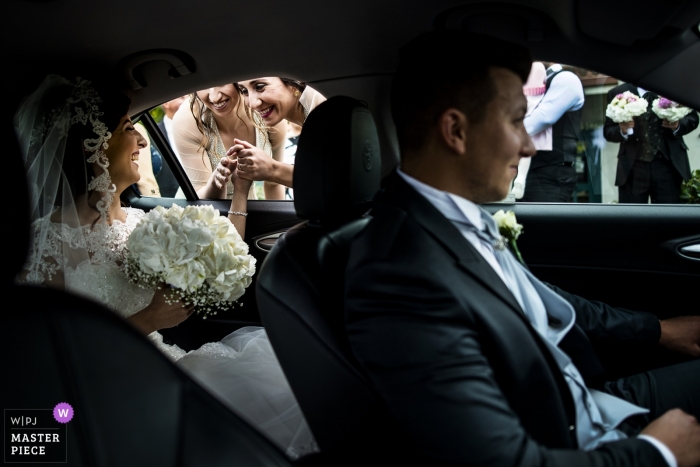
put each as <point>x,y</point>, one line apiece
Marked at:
<point>337,164</point>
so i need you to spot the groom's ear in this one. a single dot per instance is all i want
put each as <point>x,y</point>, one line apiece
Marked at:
<point>452,129</point>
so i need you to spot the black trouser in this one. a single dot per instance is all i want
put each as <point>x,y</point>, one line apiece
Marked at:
<point>550,183</point>
<point>657,179</point>
<point>660,390</point>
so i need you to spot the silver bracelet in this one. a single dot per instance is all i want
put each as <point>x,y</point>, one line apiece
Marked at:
<point>238,213</point>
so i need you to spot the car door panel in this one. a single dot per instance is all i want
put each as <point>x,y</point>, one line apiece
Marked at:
<point>622,255</point>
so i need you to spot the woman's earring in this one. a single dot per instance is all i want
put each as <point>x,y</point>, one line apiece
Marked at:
<point>297,93</point>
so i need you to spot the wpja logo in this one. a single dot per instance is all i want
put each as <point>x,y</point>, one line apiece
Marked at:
<point>37,435</point>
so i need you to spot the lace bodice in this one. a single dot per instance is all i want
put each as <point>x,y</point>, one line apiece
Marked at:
<point>89,261</point>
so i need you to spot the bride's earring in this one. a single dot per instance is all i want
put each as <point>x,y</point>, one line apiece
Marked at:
<point>297,93</point>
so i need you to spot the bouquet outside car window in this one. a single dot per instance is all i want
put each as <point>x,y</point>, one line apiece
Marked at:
<point>668,110</point>
<point>195,251</point>
<point>625,106</point>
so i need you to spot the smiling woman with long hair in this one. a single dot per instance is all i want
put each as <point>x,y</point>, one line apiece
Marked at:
<point>206,126</point>
<point>272,101</point>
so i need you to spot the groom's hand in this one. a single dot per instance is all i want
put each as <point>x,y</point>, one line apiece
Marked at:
<point>681,334</point>
<point>680,433</point>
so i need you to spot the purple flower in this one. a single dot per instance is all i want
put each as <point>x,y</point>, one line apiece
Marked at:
<point>665,103</point>
<point>619,96</point>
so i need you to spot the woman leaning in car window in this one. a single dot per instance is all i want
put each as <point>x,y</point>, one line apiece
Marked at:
<point>274,100</point>
<point>214,121</point>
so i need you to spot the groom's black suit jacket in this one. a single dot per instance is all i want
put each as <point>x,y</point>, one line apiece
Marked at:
<point>453,355</point>
<point>672,146</point>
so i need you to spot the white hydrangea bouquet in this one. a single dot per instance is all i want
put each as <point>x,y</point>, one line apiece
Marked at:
<point>510,230</point>
<point>669,110</point>
<point>194,250</point>
<point>625,106</point>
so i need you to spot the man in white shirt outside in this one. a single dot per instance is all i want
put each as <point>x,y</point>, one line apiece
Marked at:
<point>552,174</point>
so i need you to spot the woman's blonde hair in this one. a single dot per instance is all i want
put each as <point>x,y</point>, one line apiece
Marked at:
<point>203,117</point>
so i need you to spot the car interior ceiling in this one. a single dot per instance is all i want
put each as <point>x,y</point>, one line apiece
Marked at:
<point>571,32</point>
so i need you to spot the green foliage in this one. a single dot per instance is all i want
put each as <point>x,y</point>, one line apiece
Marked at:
<point>259,189</point>
<point>690,190</point>
<point>157,113</point>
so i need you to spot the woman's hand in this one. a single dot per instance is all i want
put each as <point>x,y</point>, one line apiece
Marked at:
<point>253,163</point>
<point>160,314</point>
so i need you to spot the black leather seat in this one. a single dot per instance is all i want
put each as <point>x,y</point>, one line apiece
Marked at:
<point>300,284</point>
<point>133,407</point>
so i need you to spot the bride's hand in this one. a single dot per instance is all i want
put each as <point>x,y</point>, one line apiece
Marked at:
<point>240,185</point>
<point>222,172</point>
<point>160,314</point>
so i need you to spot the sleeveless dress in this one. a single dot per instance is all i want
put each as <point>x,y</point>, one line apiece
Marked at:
<point>241,370</point>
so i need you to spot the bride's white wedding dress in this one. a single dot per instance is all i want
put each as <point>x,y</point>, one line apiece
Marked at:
<point>241,370</point>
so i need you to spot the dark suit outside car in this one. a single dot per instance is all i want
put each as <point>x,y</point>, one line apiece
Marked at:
<point>653,161</point>
<point>166,179</point>
<point>459,365</point>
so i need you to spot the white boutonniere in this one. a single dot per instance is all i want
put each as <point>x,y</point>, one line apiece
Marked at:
<point>510,230</point>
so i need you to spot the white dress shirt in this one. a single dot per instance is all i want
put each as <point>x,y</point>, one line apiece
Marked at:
<point>565,94</point>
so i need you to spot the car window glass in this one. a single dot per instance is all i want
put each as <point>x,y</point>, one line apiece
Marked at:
<point>584,157</point>
<point>157,178</point>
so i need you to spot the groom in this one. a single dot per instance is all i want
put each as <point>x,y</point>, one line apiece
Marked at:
<point>479,362</point>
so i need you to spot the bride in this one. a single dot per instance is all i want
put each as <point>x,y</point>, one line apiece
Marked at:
<point>81,152</point>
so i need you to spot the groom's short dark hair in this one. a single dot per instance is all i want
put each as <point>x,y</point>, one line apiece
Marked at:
<point>448,68</point>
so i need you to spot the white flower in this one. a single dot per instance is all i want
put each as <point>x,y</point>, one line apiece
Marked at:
<point>510,230</point>
<point>194,250</point>
<point>188,276</point>
<point>669,110</point>
<point>624,107</point>
<point>507,224</point>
